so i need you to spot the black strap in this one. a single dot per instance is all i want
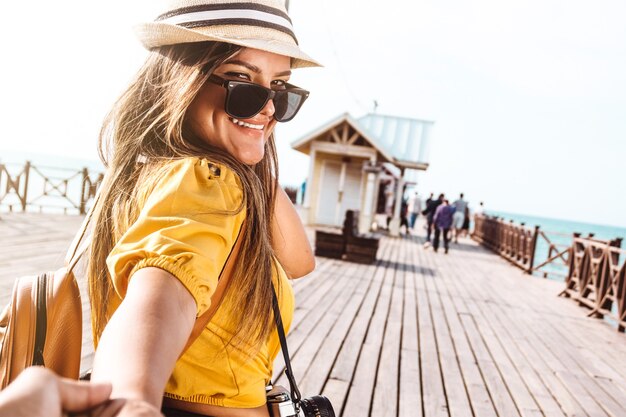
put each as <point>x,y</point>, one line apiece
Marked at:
<point>295,392</point>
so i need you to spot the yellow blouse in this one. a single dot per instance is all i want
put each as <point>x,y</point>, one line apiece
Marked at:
<point>187,226</point>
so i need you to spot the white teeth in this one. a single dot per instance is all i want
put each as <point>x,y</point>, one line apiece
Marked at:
<point>244,124</point>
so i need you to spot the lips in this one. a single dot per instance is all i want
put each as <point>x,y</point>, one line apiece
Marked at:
<point>246,124</point>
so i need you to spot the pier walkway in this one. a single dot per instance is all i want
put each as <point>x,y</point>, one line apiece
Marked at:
<point>416,334</point>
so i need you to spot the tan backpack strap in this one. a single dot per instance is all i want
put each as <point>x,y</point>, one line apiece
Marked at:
<point>222,285</point>
<point>73,252</point>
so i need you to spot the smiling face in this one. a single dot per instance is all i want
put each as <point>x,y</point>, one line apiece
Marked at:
<point>244,139</point>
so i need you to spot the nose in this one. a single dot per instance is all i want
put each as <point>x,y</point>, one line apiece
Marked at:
<point>269,109</point>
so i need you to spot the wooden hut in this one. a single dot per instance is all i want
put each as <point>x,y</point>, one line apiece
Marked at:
<point>353,160</point>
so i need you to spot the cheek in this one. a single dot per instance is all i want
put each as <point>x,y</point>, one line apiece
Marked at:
<point>271,127</point>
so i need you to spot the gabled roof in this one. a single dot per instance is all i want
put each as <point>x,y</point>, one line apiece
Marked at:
<point>402,142</point>
<point>407,140</point>
<point>304,144</point>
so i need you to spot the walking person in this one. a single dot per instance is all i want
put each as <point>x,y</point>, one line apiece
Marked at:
<point>415,207</point>
<point>404,216</point>
<point>459,216</point>
<point>466,222</point>
<point>192,178</point>
<point>443,221</point>
<point>429,212</point>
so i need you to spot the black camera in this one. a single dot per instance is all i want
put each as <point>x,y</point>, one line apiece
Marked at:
<point>280,405</point>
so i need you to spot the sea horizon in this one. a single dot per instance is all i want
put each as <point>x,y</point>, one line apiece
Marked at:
<point>546,223</point>
<point>566,226</point>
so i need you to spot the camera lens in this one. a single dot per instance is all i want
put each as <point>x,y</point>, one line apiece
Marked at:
<point>317,406</point>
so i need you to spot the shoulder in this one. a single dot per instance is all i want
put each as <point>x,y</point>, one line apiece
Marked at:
<point>192,183</point>
<point>202,170</point>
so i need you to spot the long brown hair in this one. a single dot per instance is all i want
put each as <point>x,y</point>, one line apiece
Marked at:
<point>147,124</point>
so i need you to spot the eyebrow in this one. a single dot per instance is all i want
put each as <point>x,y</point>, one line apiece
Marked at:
<point>254,68</point>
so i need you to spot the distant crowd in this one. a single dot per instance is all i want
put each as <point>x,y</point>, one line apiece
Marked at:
<point>444,220</point>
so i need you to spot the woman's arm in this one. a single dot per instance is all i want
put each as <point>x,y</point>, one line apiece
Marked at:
<point>289,239</point>
<point>145,336</point>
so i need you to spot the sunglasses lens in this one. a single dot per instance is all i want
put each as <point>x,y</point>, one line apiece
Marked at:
<point>287,103</point>
<point>246,100</point>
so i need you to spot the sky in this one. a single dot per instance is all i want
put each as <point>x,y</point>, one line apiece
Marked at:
<point>528,97</point>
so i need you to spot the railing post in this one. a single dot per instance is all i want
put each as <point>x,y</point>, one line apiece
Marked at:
<point>533,248</point>
<point>83,195</point>
<point>24,198</point>
<point>521,244</point>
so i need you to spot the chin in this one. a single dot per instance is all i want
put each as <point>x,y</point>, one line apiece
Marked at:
<point>251,159</point>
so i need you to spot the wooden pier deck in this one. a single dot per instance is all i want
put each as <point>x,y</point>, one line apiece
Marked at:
<point>416,334</point>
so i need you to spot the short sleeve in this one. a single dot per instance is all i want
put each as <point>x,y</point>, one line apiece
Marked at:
<point>187,226</point>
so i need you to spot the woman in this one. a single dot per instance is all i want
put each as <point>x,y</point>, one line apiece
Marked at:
<point>192,169</point>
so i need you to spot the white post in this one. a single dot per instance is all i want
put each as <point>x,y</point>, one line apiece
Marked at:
<point>306,204</point>
<point>365,222</point>
<point>394,225</point>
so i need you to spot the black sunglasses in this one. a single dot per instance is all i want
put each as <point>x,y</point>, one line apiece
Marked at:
<point>245,99</point>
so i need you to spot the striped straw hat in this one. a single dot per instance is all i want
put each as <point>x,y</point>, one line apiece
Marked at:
<point>257,24</point>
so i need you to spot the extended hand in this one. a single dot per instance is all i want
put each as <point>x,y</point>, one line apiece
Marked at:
<point>38,392</point>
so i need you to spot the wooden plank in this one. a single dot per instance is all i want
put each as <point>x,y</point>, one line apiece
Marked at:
<point>482,342</point>
<point>500,395</point>
<point>433,392</point>
<point>343,314</point>
<point>568,392</point>
<point>306,337</point>
<point>384,403</point>
<point>594,396</point>
<point>410,388</point>
<point>345,365</point>
<point>540,398</point>
<point>584,385</point>
<point>535,357</point>
<point>454,304</point>
<point>362,386</point>
<point>454,385</point>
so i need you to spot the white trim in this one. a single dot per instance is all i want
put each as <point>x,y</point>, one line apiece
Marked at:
<point>346,150</point>
<point>228,14</point>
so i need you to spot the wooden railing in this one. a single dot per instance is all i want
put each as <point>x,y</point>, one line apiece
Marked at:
<point>516,243</point>
<point>596,269</point>
<point>556,261</point>
<point>31,186</point>
<point>597,278</point>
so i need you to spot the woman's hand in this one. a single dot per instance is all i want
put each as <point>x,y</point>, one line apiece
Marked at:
<point>289,238</point>
<point>39,392</point>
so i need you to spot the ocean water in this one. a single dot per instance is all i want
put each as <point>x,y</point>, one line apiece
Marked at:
<point>560,233</point>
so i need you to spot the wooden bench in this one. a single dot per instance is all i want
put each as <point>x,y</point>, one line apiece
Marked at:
<point>360,248</point>
<point>329,244</point>
<point>348,245</point>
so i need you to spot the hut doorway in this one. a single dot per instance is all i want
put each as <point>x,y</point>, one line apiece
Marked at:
<point>340,190</point>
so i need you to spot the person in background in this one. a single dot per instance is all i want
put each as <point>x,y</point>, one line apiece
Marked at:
<point>429,212</point>
<point>466,222</point>
<point>192,170</point>
<point>39,392</point>
<point>443,221</point>
<point>480,210</point>
<point>404,215</point>
<point>415,206</point>
<point>459,217</point>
